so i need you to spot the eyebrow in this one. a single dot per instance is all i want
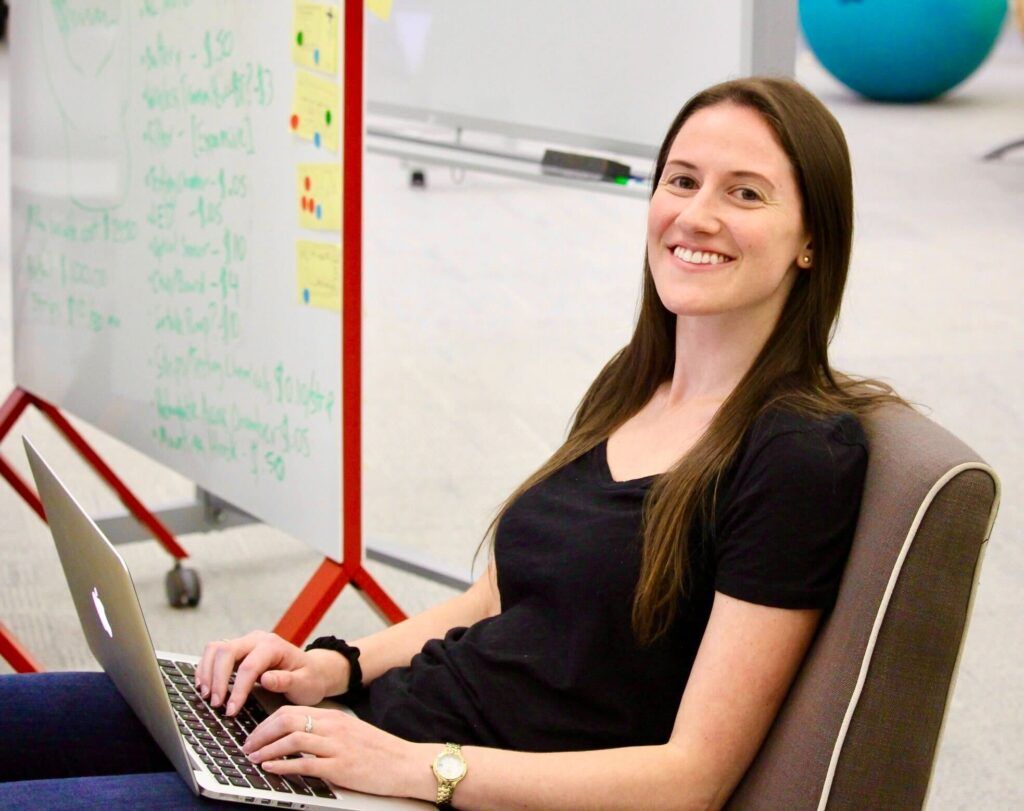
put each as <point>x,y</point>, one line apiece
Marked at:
<point>736,173</point>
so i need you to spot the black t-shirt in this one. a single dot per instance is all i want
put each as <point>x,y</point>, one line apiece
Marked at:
<point>558,669</point>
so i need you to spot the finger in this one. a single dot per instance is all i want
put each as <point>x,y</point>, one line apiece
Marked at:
<point>308,766</point>
<point>293,744</point>
<point>266,653</point>
<point>204,671</point>
<point>203,668</point>
<point>278,681</point>
<point>223,666</point>
<point>226,654</point>
<point>285,721</point>
<point>281,722</point>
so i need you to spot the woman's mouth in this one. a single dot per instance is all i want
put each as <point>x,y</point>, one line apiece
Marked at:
<point>699,260</point>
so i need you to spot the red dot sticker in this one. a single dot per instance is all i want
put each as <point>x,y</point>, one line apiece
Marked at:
<point>312,205</point>
<point>303,203</point>
<point>295,122</point>
<point>308,184</point>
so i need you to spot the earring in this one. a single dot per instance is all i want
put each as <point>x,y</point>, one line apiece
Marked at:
<point>807,259</point>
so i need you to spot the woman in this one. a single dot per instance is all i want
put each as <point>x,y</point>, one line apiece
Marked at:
<point>656,584</point>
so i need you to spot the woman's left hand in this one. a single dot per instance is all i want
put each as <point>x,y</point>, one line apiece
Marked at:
<point>348,752</point>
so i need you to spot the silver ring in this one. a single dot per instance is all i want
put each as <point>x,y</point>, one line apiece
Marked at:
<point>309,725</point>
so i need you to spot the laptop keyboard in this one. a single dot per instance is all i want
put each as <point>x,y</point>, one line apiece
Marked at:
<point>218,738</point>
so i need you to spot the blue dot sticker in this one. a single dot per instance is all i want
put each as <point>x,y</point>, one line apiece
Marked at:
<point>319,212</point>
<point>316,139</point>
<point>316,56</point>
<point>305,295</point>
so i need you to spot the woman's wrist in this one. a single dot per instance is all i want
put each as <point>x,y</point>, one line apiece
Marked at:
<point>417,778</point>
<point>333,669</point>
<point>354,680</point>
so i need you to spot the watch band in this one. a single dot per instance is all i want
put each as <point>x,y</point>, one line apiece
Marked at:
<point>350,652</point>
<point>445,790</point>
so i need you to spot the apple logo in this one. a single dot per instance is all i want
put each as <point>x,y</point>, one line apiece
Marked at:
<point>102,612</point>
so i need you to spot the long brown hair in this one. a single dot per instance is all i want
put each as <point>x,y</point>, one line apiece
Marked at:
<point>791,371</point>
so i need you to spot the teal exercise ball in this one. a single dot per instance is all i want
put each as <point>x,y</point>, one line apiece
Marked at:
<point>901,50</point>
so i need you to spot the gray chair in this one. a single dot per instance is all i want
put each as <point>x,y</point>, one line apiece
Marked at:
<point>861,725</point>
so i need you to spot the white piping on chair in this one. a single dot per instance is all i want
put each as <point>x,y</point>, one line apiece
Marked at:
<point>884,606</point>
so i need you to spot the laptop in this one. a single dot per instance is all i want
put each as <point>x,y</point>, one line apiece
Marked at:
<point>203,744</point>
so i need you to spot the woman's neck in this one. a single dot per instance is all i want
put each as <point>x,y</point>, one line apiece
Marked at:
<point>713,353</point>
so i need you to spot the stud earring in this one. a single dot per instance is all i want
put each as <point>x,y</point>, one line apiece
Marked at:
<point>807,259</point>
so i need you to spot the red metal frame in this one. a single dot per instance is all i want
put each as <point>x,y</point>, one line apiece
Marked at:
<point>10,411</point>
<point>330,578</point>
<point>13,652</point>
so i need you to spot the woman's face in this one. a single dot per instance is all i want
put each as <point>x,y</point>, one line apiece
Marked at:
<point>727,189</point>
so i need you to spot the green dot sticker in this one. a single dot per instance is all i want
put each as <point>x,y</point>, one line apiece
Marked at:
<point>298,38</point>
<point>327,117</point>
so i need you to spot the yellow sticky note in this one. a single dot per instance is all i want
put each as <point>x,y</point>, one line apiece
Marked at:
<point>315,110</point>
<point>318,273</point>
<point>319,196</point>
<point>315,36</point>
<point>382,8</point>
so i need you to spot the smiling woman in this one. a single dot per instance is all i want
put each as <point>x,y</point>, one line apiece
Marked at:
<point>656,583</point>
<point>707,214</point>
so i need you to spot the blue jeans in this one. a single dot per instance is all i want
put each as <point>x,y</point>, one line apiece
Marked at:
<point>68,740</point>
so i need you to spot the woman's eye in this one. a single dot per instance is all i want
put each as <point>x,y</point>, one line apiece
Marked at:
<point>681,181</point>
<point>748,195</point>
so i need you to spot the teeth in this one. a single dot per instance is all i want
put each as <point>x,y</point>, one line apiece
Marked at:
<point>700,257</point>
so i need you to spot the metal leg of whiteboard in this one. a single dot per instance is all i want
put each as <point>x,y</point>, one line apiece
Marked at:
<point>12,409</point>
<point>328,581</point>
<point>11,650</point>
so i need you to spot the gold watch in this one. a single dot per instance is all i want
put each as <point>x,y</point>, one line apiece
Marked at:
<point>449,767</point>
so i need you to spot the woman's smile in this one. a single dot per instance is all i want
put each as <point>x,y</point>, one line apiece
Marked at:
<point>694,261</point>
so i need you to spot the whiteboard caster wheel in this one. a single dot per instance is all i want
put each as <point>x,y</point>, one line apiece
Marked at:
<point>182,586</point>
<point>418,179</point>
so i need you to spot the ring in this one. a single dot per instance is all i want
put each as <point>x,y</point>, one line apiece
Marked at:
<point>309,725</point>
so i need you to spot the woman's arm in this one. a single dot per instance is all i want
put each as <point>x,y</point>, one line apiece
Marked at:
<point>395,646</point>
<point>747,660</point>
<point>307,677</point>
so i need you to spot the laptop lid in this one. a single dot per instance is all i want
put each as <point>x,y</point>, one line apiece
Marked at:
<point>109,611</point>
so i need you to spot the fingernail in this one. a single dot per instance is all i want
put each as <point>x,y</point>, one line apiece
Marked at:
<point>215,701</point>
<point>231,708</point>
<point>204,691</point>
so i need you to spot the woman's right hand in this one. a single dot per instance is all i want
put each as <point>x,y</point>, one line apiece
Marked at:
<point>303,677</point>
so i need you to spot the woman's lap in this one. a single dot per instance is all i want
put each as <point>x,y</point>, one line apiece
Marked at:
<point>69,740</point>
<point>156,790</point>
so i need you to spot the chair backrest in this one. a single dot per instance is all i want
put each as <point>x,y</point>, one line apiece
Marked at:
<point>861,724</point>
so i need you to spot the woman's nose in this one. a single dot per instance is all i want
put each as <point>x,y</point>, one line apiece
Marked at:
<point>700,212</point>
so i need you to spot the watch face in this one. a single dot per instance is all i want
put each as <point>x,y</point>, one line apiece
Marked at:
<point>450,767</point>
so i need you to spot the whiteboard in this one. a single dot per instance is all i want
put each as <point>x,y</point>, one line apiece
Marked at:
<point>606,74</point>
<point>155,227</point>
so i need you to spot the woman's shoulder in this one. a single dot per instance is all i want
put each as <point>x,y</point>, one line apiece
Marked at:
<point>776,423</point>
<point>786,444</point>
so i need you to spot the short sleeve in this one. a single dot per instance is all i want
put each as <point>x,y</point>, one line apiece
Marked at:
<point>785,534</point>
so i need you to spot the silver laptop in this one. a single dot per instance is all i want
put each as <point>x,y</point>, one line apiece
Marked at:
<point>204,745</point>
